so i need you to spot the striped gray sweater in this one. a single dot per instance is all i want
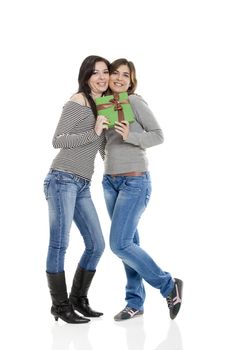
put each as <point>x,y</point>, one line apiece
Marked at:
<point>78,141</point>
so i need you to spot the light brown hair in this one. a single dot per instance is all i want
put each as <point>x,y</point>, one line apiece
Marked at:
<point>133,80</point>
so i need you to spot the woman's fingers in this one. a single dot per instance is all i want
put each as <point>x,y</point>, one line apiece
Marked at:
<point>122,128</point>
<point>101,123</point>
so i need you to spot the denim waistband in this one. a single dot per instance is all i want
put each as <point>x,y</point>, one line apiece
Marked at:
<point>68,173</point>
<point>145,174</point>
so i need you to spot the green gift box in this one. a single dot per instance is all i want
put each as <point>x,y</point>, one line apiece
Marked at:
<point>115,107</point>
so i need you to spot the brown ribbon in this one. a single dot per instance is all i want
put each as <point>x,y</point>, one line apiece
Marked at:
<point>117,106</point>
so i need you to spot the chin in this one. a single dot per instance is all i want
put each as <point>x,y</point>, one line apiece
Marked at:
<point>118,90</point>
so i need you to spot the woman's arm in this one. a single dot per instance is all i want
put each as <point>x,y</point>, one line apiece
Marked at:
<point>72,116</point>
<point>102,148</point>
<point>152,134</point>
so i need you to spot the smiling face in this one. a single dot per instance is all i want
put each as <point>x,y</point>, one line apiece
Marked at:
<point>98,82</point>
<point>120,80</point>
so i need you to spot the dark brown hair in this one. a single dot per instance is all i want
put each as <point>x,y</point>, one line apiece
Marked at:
<point>86,70</point>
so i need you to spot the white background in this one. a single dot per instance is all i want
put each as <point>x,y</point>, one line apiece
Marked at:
<point>179,49</point>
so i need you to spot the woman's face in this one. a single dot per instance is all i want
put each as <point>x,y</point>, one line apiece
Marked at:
<point>98,81</point>
<point>120,79</point>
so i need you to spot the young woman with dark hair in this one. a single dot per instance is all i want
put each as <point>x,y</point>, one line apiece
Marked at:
<point>79,136</point>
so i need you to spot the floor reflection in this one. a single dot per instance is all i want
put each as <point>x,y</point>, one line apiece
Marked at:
<point>136,336</point>
<point>135,333</point>
<point>68,336</point>
<point>173,340</point>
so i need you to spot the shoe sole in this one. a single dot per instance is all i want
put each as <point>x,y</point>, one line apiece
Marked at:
<point>130,318</point>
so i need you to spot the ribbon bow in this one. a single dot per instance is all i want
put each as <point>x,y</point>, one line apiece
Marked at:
<point>117,106</point>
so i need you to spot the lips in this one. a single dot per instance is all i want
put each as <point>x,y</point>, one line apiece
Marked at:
<point>102,85</point>
<point>118,84</point>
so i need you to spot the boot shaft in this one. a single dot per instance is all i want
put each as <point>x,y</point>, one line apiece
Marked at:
<point>81,282</point>
<point>78,296</point>
<point>57,287</point>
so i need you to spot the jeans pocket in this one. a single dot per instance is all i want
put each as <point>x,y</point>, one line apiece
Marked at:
<point>45,188</point>
<point>133,184</point>
<point>148,192</point>
<point>46,185</point>
<point>65,178</point>
<point>147,198</point>
<point>105,182</point>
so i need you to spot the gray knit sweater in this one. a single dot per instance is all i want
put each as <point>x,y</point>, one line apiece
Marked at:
<point>130,155</point>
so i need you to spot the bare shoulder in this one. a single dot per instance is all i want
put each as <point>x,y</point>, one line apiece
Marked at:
<point>79,98</point>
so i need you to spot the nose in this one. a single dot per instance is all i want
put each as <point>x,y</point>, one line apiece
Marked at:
<point>102,75</point>
<point>119,76</point>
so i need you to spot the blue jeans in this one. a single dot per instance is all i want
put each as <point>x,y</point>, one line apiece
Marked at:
<point>126,198</point>
<point>69,200</point>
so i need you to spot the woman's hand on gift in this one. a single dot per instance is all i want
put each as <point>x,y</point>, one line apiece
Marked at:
<point>122,128</point>
<point>101,123</point>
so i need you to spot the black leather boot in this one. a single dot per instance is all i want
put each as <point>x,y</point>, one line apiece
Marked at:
<point>78,296</point>
<point>61,307</point>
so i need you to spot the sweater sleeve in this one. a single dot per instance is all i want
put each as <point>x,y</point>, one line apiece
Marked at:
<point>68,133</point>
<point>102,147</point>
<point>152,134</point>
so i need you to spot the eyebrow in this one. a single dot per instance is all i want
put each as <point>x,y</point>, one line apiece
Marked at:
<point>116,70</point>
<point>101,70</point>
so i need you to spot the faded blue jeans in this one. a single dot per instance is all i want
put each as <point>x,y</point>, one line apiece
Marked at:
<point>126,198</point>
<point>69,200</point>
